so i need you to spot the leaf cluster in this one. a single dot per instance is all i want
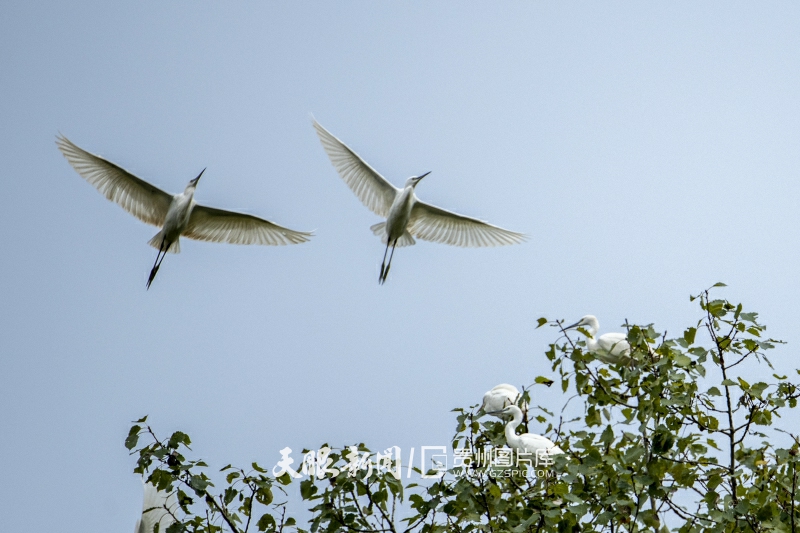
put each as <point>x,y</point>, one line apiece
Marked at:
<point>676,436</point>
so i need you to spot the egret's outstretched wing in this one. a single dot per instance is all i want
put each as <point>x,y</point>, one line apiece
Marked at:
<point>142,200</point>
<point>153,511</point>
<point>217,225</point>
<point>432,223</point>
<point>371,188</point>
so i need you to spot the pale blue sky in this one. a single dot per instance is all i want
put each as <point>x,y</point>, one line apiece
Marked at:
<point>649,150</point>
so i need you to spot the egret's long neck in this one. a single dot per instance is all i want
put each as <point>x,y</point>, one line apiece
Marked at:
<point>511,429</point>
<point>592,344</point>
<point>407,197</point>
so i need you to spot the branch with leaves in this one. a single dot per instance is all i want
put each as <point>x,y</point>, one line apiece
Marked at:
<point>673,437</point>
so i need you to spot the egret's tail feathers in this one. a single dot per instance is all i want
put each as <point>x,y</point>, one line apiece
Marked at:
<point>157,241</point>
<point>379,229</point>
<point>405,240</point>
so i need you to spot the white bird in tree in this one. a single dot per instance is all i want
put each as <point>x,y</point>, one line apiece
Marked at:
<point>610,348</point>
<point>500,397</point>
<point>177,215</point>
<point>406,216</point>
<point>526,442</point>
<point>158,508</point>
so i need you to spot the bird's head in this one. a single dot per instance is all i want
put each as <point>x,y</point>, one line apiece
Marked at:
<point>589,321</point>
<point>413,180</point>
<point>193,183</point>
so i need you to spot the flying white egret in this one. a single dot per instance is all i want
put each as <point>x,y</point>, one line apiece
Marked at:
<point>610,348</point>
<point>527,442</point>
<point>501,396</point>
<point>177,215</point>
<point>406,216</point>
<point>154,510</point>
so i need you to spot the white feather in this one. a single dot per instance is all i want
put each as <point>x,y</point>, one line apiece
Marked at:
<point>155,510</point>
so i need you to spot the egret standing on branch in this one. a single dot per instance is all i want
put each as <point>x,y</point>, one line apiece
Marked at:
<point>610,348</point>
<point>527,442</point>
<point>176,215</point>
<point>406,216</point>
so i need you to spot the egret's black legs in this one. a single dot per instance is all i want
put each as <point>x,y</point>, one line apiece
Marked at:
<point>157,264</point>
<point>383,264</point>
<point>385,272</point>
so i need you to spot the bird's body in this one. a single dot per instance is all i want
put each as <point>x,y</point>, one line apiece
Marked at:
<point>177,215</point>
<point>612,348</point>
<point>526,442</point>
<point>406,216</point>
<point>400,213</point>
<point>500,397</point>
<point>156,509</point>
<point>176,221</point>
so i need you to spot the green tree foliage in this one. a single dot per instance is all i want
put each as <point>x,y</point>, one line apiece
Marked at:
<point>676,438</point>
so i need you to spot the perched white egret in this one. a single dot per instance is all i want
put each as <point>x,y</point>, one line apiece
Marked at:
<point>501,396</point>
<point>154,510</point>
<point>610,348</point>
<point>527,442</point>
<point>177,215</point>
<point>406,216</point>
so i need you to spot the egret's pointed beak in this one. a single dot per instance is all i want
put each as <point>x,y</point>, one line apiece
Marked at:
<point>500,412</point>
<point>419,178</point>
<point>194,181</point>
<point>575,325</point>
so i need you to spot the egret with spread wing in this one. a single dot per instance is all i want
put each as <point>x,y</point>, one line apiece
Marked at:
<point>406,216</point>
<point>158,508</point>
<point>177,215</point>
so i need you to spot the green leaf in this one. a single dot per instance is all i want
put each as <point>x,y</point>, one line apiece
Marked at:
<point>541,322</point>
<point>593,417</point>
<point>178,438</point>
<point>230,494</point>
<point>663,440</point>
<point>713,391</point>
<point>307,488</point>
<point>266,522</point>
<point>198,483</point>
<point>757,389</point>
<point>264,496</point>
<point>608,435</point>
<point>543,380</point>
<point>718,284</point>
<point>133,437</point>
<point>682,361</point>
<point>749,317</point>
<point>689,335</point>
